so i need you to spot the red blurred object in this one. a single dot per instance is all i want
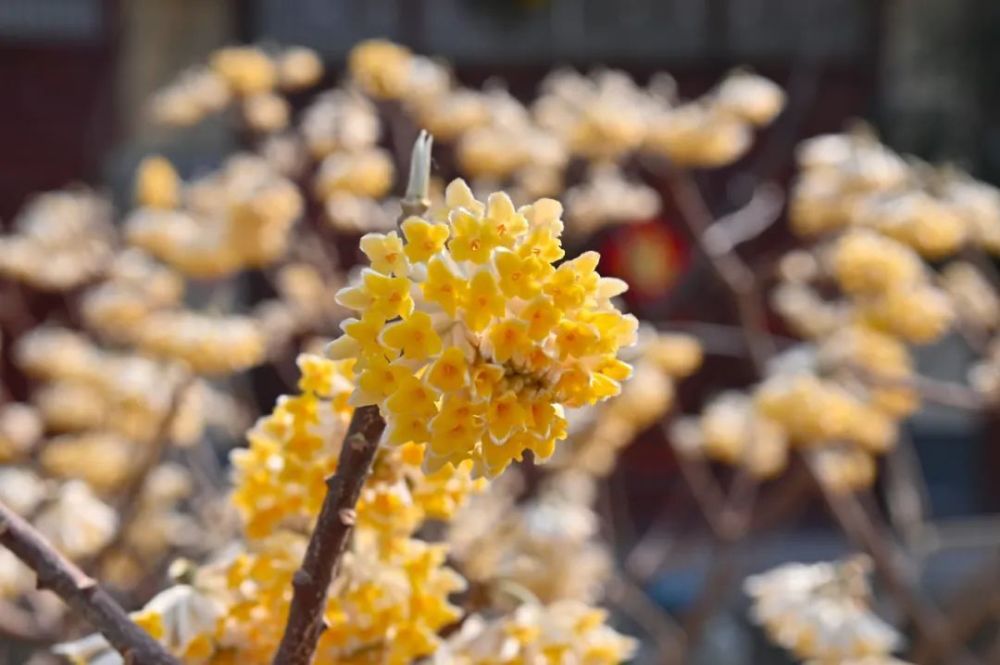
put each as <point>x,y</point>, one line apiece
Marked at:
<point>650,256</point>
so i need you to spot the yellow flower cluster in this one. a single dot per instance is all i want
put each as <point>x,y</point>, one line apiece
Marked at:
<point>339,121</point>
<point>391,597</point>
<point>732,431</point>
<point>383,607</point>
<point>840,402</point>
<point>716,129</point>
<point>469,338</point>
<point>247,74</point>
<point>60,240</point>
<point>563,632</point>
<point>238,217</point>
<point>821,612</point>
<point>135,286</point>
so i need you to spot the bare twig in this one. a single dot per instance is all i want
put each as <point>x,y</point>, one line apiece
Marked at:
<point>659,626</point>
<point>906,491</point>
<point>738,278</point>
<point>889,565</point>
<point>745,224</point>
<point>80,592</point>
<point>129,501</point>
<point>329,539</point>
<point>944,393</point>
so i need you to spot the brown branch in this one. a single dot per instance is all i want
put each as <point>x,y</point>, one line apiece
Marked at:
<point>329,539</point>
<point>311,582</point>
<point>80,592</point>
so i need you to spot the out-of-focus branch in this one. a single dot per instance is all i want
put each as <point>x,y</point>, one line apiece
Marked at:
<point>944,393</point>
<point>662,630</point>
<point>79,591</point>
<point>738,278</point>
<point>129,501</point>
<point>745,224</point>
<point>890,567</point>
<point>329,539</point>
<point>974,604</point>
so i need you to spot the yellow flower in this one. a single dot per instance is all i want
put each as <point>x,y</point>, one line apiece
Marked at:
<point>360,337</point>
<point>473,238</point>
<point>423,239</point>
<point>519,275</point>
<point>390,295</point>
<point>385,251</point>
<point>509,338</point>
<point>506,415</point>
<point>157,184</point>
<point>483,301</point>
<point>412,397</point>
<point>542,316</point>
<point>378,380</point>
<point>450,371</point>
<point>414,336</point>
<point>443,287</point>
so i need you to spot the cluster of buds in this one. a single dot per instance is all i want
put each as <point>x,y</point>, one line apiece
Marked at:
<point>238,217</point>
<point>391,595</point>
<point>250,76</point>
<point>598,433</point>
<point>822,613</point>
<point>546,548</point>
<point>606,116</point>
<point>86,388</point>
<point>861,296</point>
<point>60,241</point>
<point>851,180</point>
<point>608,197</point>
<point>717,128</point>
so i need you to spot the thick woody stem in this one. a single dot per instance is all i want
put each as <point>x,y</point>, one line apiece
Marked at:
<point>329,539</point>
<point>311,582</point>
<point>80,592</point>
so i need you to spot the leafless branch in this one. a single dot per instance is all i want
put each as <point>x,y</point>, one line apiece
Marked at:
<point>891,568</point>
<point>80,592</point>
<point>329,539</point>
<point>129,501</point>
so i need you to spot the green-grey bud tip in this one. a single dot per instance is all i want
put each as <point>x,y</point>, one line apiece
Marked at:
<point>420,168</point>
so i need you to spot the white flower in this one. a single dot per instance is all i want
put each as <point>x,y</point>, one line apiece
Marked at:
<point>820,611</point>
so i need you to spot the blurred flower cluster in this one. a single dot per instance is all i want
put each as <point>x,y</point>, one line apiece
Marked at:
<point>822,613</point>
<point>861,295</point>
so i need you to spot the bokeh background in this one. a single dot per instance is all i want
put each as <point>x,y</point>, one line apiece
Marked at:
<point>75,76</point>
